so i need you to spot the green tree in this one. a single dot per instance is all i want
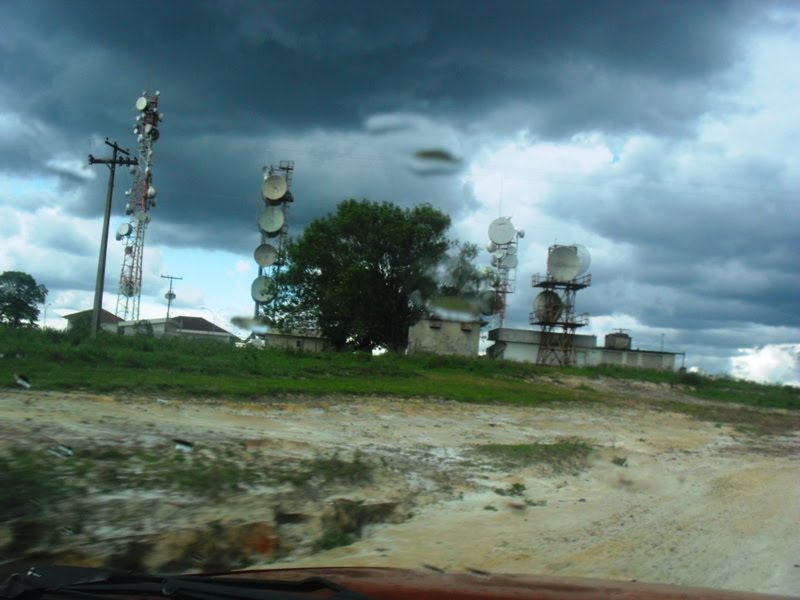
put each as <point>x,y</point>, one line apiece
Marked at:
<point>19,297</point>
<point>353,273</point>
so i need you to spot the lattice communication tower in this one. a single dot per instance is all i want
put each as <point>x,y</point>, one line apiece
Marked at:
<point>270,255</point>
<point>503,245</point>
<point>141,198</point>
<point>554,307</point>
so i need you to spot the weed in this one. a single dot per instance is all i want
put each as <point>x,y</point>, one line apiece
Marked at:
<point>515,489</point>
<point>564,456</point>
<point>490,507</point>
<point>333,538</point>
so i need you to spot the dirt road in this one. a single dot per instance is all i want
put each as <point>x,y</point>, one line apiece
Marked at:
<point>664,497</point>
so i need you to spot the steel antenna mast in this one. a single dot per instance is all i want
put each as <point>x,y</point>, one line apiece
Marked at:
<point>143,198</point>
<point>170,295</point>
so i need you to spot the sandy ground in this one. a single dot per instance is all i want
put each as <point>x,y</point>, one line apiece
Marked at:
<point>697,504</point>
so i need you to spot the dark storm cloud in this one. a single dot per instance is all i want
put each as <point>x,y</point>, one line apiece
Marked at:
<point>243,72</point>
<point>332,64</point>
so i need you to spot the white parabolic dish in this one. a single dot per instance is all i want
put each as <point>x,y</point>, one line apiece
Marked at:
<point>262,289</point>
<point>141,103</point>
<point>273,188</point>
<point>271,220</point>
<point>265,255</point>
<point>563,264</point>
<point>509,261</point>
<point>547,307</point>
<point>124,229</point>
<point>584,258</point>
<point>501,231</point>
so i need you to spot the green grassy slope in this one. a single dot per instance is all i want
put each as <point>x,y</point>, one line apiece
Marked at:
<point>55,360</point>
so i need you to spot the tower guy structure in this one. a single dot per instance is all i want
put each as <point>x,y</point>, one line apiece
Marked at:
<point>554,307</point>
<point>141,198</point>
<point>270,255</point>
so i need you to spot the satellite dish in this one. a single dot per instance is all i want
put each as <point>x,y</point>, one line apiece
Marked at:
<point>512,249</point>
<point>151,192</point>
<point>124,230</point>
<point>273,188</point>
<point>170,296</point>
<point>547,307</point>
<point>584,258</point>
<point>521,233</point>
<point>563,264</point>
<point>265,255</point>
<point>262,289</point>
<point>142,216</point>
<point>148,128</point>
<point>499,252</point>
<point>491,246</point>
<point>509,261</point>
<point>501,231</point>
<point>141,103</point>
<point>271,220</point>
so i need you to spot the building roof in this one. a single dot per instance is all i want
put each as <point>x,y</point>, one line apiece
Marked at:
<point>304,333</point>
<point>105,316</point>
<point>198,324</point>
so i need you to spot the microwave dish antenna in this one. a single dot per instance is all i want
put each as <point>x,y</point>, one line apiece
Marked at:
<point>274,188</point>
<point>509,261</point>
<point>584,258</point>
<point>501,230</point>
<point>491,246</point>
<point>271,220</point>
<point>262,289</point>
<point>547,306</point>
<point>141,103</point>
<point>124,230</point>
<point>265,255</point>
<point>563,264</point>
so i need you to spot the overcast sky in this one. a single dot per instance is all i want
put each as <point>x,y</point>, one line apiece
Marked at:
<point>661,135</point>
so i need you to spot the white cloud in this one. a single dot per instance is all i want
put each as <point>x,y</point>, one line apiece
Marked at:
<point>773,363</point>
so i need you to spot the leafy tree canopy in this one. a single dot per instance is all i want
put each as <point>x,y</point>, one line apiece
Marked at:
<point>353,272</point>
<point>19,297</point>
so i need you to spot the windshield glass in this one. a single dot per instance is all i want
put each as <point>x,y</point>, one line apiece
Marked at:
<point>462,287</point>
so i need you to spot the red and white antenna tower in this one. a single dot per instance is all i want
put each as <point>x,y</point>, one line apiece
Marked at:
<point>142,197</point>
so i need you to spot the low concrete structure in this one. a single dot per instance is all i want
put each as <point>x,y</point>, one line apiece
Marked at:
<point>523,345</point>
<point>306,340</point>
<point>108,321</point>
<point>445,336</point>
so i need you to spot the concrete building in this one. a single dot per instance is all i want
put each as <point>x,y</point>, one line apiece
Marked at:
<point>306,340</point>
<point>445,336</point>
<point>108,321</point>
<point>523,345</point>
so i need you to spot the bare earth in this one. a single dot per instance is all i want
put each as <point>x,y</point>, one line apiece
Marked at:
<point>696,503</point>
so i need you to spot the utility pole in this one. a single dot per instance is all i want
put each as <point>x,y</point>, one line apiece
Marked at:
<point>170,296</point>
<point>101,262</point>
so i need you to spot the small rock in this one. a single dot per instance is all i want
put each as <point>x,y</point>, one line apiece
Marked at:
<point>23,381</point>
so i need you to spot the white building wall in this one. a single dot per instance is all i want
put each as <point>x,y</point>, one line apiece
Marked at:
<point>444,337</point>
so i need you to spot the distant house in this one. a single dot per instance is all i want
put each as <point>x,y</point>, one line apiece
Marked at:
<point>179,326</point>
<point>108,321</point>
<point>305,340</point>
<point>445,336</point>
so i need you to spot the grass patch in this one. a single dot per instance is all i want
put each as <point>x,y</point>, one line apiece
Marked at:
<point>55,360</point>
<point>560,457</point>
